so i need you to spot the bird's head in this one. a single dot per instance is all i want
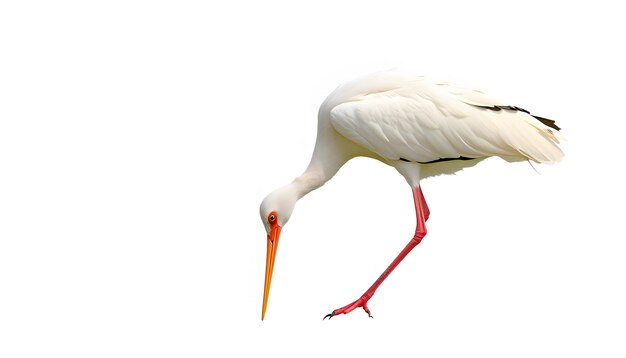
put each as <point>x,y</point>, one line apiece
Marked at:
<point>276,209</point>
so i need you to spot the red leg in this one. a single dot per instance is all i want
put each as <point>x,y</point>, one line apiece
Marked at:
<point>422,213</point>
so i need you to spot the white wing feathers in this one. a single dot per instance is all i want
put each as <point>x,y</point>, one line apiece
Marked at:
<point>422,122</point>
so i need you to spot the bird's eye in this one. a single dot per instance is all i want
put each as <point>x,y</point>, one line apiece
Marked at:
<point>272,218</point>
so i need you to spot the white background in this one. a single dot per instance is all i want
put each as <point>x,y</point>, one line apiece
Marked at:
<point>137,140</point>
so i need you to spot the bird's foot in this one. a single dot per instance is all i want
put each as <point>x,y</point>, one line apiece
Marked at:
<point>361,302</point>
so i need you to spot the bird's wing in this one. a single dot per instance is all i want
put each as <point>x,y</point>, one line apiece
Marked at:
<point>424,122</point>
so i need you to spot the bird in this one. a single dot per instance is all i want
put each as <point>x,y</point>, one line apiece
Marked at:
<point>421,127</point>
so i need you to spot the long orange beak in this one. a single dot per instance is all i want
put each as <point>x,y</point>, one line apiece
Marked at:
<point>272,245</point>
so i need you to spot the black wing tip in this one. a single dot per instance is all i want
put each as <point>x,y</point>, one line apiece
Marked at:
<point>547,122</point>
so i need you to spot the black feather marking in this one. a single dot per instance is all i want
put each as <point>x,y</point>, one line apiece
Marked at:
<point>446,160</point>
<point>521,110</point>
<point>547,122</point>
<point>439,160</point>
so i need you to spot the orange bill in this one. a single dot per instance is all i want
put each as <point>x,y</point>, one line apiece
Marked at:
<point>272,245</point>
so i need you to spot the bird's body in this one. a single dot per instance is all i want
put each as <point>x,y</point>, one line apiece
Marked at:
<point>419,127</point>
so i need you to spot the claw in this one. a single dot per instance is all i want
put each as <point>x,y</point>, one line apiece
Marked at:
<point>329,316</point>
<point>367,310</point>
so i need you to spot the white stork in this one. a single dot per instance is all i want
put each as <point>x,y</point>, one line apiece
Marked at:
<point>419,127</point>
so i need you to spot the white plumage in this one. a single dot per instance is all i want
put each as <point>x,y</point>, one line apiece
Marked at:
<point>397,117</point>
<point>419,127</point>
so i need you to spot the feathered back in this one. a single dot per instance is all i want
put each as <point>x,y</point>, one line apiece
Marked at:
<point>413,119</point>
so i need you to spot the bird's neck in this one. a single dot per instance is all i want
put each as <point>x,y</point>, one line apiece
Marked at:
<point>307,182</point>
<point>328,157</point>
<point>321,169</point>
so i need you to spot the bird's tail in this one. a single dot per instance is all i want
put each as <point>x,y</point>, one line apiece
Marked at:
<point>542,148</point>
